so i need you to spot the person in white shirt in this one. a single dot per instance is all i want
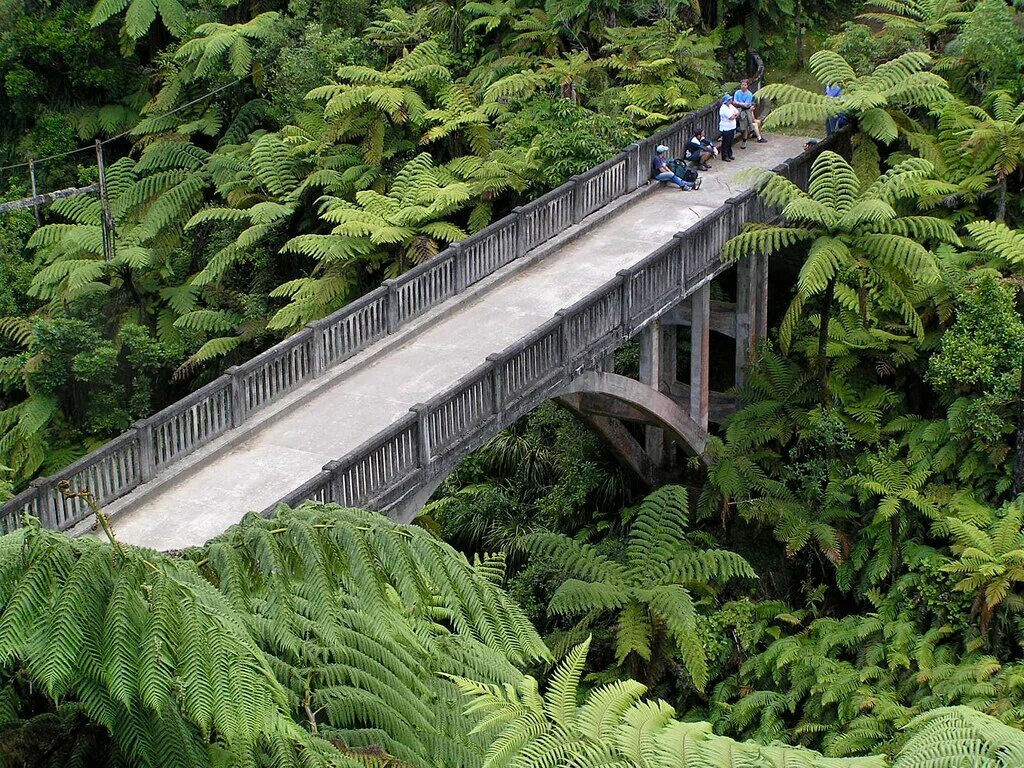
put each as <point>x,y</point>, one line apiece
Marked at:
<point>727,115</point>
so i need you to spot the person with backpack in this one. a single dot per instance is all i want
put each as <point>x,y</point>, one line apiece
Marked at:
<point>660,170</point>
<point>699,150</point>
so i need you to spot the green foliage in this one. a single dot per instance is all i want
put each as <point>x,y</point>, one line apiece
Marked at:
<point>988,48</point>
<point>139,16</point>
<point>613,726</point>
<point>927,20</point>
<point>991,559</point>
<point>666,70</point>
<point>983,348</point>
<point>864,253</point>
<point>282,637</point>
<point>880,100</point>
<point>649,587</point>
<point>217,44</point>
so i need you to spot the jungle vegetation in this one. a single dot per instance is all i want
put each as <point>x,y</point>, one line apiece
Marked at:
<point>842,588</point>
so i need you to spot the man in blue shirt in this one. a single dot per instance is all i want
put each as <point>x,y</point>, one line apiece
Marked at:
<point>744,100</point>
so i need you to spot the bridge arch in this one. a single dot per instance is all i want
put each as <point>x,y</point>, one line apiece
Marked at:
<point>602,399</point>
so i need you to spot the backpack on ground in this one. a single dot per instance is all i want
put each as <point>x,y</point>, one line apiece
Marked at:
<point>682,170</point>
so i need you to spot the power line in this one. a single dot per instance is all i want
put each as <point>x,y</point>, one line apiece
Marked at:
<point>123,134</point>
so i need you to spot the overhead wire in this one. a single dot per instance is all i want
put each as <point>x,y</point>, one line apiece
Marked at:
<point>123,134</point>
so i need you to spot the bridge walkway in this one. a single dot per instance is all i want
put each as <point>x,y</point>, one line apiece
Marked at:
<point>329,417</point>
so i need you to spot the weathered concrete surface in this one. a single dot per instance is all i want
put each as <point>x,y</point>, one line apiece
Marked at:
<point>283,452</point>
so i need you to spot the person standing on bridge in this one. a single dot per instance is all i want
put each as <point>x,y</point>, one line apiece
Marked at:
<point>727,115</point>
<point>746,102</point>
<point>661,172</point>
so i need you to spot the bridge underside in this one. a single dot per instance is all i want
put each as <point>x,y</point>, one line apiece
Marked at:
<point>644,422</point>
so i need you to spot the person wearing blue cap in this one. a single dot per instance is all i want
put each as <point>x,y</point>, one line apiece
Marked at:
<point>661,172</point>
<point>727,115</point>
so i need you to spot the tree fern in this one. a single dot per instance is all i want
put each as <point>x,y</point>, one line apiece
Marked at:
<point>273,641</point>
<point>647,589</point>
<point>613,726</point>
<point>879,100</point>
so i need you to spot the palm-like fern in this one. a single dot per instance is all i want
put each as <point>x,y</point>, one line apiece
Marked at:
<point>613,726</point>
<point>879,100</point>
<point>931,20</point>
<point>571,76</point>
<point>861,251</point>
<point>896,491</point>
<point>140,14</point>
<point>205,54</point>
<point>649,587</point>
<point>954,736</point>
<point>990,559</point>
<point>367,102</point>
<point>996,140</point>
<point>666,70</point>
<point>152,199</point>
<point>396,230</point>
<point>273,641</point>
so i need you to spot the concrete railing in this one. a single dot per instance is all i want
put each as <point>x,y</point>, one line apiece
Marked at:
<point>155,443</point>
<point>433,436</point>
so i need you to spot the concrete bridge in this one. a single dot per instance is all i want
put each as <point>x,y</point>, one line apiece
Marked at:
<point>376,404</point>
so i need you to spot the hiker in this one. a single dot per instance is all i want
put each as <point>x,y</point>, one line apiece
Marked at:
<point>727,115</point>
<point>699,150</point>
<point>661,172</point>
<point>835,122</point>
<point>810,144</point>
<point>745,101</point>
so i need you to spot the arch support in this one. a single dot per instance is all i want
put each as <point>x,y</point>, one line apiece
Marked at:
<point>647,403</point>
<point>604,400</point>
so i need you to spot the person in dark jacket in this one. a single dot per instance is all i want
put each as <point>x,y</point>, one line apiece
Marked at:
<point>699,150</point>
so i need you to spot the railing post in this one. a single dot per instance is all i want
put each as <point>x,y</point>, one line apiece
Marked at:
<point>392,305</point>
<point>520,231</point>
<point>237,396</point>
<point>461,269</point>
<point>634,166</point>
<point>497,382</point>
<point>577,199</point>
<point>681,239</point>
<point>564,349</point>
<point>332,494</point>
<point>44,495</point>
<point>147,454</point>
<point>626,311</point>
<point>422,435</point>
<point>319,360</point>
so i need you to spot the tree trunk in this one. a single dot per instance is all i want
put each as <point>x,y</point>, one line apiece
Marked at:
<point>1018,458</point>
<point>1001,216</point>
<point>826,311</point>
<point>799,35</point>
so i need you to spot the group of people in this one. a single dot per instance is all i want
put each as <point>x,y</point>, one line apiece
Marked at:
<point>736,113</point>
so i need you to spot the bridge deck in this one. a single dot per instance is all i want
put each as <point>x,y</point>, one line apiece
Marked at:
<point>211,493</point>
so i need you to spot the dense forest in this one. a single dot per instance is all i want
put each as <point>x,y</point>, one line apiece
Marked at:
<point>841,587</point>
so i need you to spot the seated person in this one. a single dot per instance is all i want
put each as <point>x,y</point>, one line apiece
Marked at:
<point>661,172</point>
<point>745,101</point>
<point>699,150</point>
